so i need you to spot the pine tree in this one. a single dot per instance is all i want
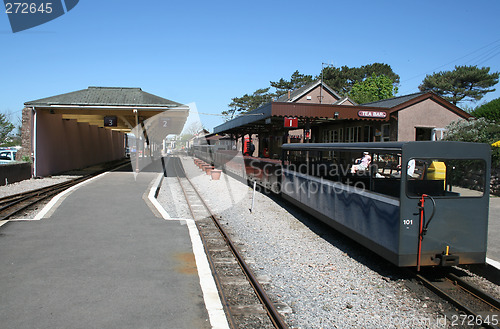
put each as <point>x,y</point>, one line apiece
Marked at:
<point>248,103</point>
<point>297,81</point>
<point>465,83</point>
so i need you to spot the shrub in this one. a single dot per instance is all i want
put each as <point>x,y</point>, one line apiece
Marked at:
<point>478,131</point>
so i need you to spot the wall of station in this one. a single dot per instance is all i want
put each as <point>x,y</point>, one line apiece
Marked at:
<point>428,114</point>
<point>63,144</point>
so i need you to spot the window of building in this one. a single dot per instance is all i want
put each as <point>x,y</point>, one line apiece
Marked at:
<point>423,134</point>
<point>353,134</point>
<point>338,135</point>
<point>335,136</point>
<point>367,134</point>
<point>325,136</point>
<point>386,133</point>
<point>329,136</point>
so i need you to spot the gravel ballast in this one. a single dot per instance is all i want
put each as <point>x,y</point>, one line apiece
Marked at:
<point>329,281</point>
<point>33,184</point>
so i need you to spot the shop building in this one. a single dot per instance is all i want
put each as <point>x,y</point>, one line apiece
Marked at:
<point>317,114</point>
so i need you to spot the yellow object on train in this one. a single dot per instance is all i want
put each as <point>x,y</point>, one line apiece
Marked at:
<point>437,171</point>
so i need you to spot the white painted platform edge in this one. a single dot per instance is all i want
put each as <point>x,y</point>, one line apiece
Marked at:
<point>152,199</point>
<point>493,263</point>
<point>55,199</point>
<point>211,296</point>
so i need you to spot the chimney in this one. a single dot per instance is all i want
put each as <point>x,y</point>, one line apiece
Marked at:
<point>289,95</point>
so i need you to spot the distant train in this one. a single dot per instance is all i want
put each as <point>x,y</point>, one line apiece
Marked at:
<point>414,204</point>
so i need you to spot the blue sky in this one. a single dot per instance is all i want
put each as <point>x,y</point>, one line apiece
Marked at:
<point>208,52</point>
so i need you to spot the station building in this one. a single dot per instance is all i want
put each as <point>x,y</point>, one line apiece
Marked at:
<point>317,114</point>
<point>91,126</point>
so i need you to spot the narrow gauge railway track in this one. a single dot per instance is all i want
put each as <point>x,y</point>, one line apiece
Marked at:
<point>477,308</point>
<point>243,298</point>
<point>14,205</point>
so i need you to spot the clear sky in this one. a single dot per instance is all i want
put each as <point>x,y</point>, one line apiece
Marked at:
<point>208,52</point>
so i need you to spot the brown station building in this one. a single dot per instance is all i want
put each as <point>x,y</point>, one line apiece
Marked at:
<point>317,114</point>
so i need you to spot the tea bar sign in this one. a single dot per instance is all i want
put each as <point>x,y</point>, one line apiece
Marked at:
<point>372,114</point>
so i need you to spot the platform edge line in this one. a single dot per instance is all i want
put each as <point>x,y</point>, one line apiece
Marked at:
<point>211,296</point>
<point>152,198</point>
<point>210,293</point>
<point>493,263</point>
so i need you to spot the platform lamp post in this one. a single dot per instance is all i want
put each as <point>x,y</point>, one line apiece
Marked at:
<point>136,141</point>
<point>321,87</point>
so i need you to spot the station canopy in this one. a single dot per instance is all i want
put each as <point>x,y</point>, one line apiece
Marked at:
<point>120,109</point>
<point>270,116</point>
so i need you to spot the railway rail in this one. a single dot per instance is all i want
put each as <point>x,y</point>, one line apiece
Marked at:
<point>13,205</point>
<point>243,297</point>
<point>477,308</point>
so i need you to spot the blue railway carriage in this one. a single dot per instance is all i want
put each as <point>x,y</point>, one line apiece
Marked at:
<point>416,204</point>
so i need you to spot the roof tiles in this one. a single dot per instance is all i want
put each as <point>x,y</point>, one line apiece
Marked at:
<point>109,96</point>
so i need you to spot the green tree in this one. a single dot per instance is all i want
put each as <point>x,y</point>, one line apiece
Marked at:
<point>490,111</point>
<point>464,83</point>
<point>373,89</point>
<point>6,128</point>
<point>339,79</point>
<point>248,103</point>
<point>297,81</point>
<point>344,78</point>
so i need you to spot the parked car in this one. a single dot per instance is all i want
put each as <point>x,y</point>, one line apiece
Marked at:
<point>7,156</point>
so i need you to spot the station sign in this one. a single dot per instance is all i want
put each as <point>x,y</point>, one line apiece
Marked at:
<point>291,122</point>
<point>110,121</point>
<point>164,123</point>
<point>372,114</point>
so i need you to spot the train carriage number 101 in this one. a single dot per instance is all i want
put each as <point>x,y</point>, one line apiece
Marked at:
<point>27,8</point>
<point>407,222</point>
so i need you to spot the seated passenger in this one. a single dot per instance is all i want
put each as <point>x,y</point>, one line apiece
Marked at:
<point>411,168</point>
<point>362,163</point>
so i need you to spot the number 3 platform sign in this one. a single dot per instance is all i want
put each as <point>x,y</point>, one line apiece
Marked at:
<point>25,14</point>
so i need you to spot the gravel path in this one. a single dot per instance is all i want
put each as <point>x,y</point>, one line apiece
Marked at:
<point>328,280</point>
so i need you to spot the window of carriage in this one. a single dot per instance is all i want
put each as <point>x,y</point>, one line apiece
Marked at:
<point>446,177</point>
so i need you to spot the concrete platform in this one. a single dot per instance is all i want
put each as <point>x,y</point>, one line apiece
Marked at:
<point>493,251</point>
<point>103,259</point>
